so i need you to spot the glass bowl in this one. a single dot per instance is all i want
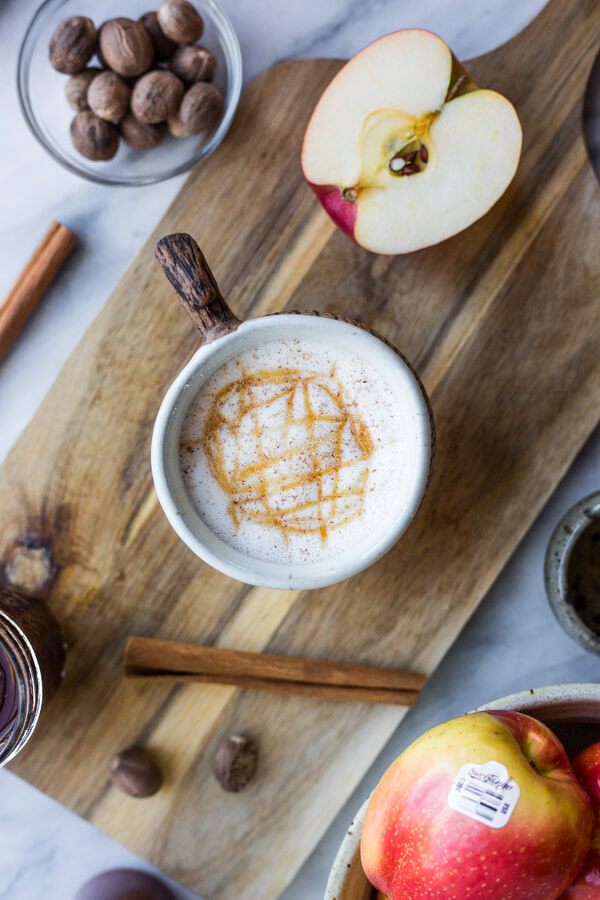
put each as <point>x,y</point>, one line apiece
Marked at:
<point>42,93</point>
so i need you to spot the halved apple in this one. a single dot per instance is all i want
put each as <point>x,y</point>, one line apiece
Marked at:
<point>404,150</point>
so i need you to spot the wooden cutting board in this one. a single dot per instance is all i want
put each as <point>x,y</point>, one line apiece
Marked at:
<point>503,324</point>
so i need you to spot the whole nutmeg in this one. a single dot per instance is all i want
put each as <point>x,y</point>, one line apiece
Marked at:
<point>164,47</point>
<point>99,56</point>
<point>93,137</point>
<point>235,763</point>
<point>193,64</point>
<point>108,96</point>
<point>175,127</point>
<point>156,96</point>
<point>181,21</point>
<point>135,773</point>
<point>77,87</point>
<point>201,108</point>
<point>126,46</point>
<point>73,44</point>
<point>141,135</point>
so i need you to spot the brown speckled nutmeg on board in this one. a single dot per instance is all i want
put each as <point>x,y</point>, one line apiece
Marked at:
<point>73,44</point>
<point>181,21</point>
<point>135,773</point>
<point>126,46</point>
<point>234,764</point>
<point>156,96</point>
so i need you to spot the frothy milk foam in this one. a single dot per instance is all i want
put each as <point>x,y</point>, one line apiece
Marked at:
<point>290,451</point>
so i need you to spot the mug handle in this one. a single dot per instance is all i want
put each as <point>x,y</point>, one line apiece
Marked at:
<point>185,267</point>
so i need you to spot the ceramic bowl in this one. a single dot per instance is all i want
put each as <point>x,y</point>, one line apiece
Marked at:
<point>48,115</point>
<point>580,623</point>
<point>571,710</point>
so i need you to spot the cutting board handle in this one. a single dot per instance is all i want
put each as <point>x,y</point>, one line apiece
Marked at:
<point>186,269</point>
<point>564,36</point>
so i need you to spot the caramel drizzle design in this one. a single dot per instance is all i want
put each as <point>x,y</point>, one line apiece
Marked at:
<point>307,471</point>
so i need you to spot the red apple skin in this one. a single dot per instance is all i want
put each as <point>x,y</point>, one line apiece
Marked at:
<point>587,768</point>
<point>414,846</point>
<point>341,211</point>
<point>587,884</point>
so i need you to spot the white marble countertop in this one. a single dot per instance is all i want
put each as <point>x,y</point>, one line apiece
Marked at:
<point>512,642</point>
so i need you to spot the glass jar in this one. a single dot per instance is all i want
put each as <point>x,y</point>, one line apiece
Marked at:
<point>32,655</point>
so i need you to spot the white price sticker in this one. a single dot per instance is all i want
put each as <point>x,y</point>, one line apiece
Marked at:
<point>485,793</point>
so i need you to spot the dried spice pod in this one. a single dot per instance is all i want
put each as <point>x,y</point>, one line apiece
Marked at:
<point>108,96</point>
<point>126,47</point>
<point>77,87</point>
<point>156,96</point>
<point>73,44</point>
<point>164,47</point>
<point>141,135</point>
<point>193,64</point>
<point>201,108</point>
<point>234,764</point>
<point>181,21</point>
<point>93,137</point>
<point>135,773</point>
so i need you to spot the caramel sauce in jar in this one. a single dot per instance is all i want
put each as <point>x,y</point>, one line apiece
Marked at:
<point>32,656</point>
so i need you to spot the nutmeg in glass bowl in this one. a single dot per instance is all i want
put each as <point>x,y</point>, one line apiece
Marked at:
<point>42,93</point>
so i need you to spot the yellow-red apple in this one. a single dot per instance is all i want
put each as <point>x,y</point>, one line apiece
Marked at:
<point>484,807</point>
<point>587,884</point>
<point>404,150</point>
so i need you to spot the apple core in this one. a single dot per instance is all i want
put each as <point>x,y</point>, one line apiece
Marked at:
<point>404,106</point>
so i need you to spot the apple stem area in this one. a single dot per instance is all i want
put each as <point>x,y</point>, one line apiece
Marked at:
<point>350,194</point>
<point>411,160</point>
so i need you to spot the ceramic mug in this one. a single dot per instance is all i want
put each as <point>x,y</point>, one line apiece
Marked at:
<point>224,338</point>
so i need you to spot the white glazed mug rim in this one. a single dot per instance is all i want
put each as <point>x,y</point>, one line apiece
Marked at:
<point>178,507</point>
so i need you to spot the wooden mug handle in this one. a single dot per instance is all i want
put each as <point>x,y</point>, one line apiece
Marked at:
<point>184,265</point>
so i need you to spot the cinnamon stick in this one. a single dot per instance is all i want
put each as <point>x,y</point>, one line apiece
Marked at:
<point>157,660</point>
<point>39,271</point>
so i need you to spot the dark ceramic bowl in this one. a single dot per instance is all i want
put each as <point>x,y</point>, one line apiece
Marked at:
<point>572,558</point>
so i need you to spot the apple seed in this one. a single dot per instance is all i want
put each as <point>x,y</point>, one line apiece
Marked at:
<point>410,160</point>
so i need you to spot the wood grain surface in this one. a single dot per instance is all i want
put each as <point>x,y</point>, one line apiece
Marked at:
<point>503,324</point>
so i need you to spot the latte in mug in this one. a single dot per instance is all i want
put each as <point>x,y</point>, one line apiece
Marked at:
<point>290,450</point>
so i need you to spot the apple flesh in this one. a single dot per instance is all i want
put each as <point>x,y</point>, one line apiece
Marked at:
<point>403,150</point>
<point>587,884</point>
<point>415,846</point>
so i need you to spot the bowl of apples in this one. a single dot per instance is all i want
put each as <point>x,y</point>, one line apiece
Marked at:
<point>500,804</point>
